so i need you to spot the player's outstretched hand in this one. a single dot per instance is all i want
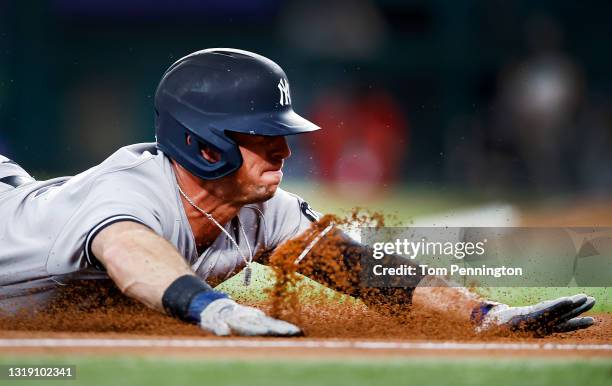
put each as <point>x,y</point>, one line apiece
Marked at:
<point>224,316</point>
<point>547,317</point>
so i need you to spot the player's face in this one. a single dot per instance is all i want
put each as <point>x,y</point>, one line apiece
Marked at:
<point>262,163</point>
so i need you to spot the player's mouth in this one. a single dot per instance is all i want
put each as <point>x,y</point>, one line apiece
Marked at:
<point>273,174</point>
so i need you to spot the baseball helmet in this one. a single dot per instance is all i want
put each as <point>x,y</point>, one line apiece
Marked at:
<point>212,92</point>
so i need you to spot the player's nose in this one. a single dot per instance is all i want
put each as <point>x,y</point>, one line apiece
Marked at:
<point>279,148</point>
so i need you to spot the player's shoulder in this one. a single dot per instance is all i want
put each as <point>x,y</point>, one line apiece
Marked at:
<point>141,161</point>
<point>140,167</point>
<point>130,156</point>
<point>281,199</point>
<point>285,203</point>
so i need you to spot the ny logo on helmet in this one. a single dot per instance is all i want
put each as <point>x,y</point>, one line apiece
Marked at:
<point>285,97</point>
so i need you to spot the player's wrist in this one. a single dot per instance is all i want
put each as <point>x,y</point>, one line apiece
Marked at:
<point>204,301</point>
<point>479,313</point>
<point>188,296</point>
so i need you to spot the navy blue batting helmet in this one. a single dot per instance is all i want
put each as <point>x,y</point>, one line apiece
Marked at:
<point>212,92</point>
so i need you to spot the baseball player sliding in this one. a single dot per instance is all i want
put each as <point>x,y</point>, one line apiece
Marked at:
<point>167,220</point>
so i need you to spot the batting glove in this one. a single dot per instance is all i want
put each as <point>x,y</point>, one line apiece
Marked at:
<point>547,317</point>
<point>224,316</point>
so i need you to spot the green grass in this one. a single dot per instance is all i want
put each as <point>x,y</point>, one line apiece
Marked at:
<point>422,372</point>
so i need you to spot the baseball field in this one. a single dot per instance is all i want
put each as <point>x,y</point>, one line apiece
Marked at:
<point>344,342</point>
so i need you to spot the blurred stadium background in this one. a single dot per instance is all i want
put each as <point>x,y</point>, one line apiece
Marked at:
<point>426,106</point>
<point>487,99</point>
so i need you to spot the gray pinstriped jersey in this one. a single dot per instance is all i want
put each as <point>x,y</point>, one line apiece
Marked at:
<point>46,225</point>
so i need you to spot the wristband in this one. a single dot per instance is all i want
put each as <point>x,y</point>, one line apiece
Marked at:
<point>200,302</point>
<point>178,297</point>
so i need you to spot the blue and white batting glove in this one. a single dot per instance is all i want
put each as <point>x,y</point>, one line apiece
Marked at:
<point>547,317</point>
<point>225,316</point>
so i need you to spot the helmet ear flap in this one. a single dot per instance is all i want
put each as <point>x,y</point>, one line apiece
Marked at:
<point>230,158</point>
<point>208,152</point>
<point>184,145</point>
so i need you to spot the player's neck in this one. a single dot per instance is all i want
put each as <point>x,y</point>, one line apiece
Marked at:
<point>208,200</point>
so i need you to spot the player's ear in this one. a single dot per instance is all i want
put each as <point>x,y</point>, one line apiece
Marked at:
<point>210,155</point>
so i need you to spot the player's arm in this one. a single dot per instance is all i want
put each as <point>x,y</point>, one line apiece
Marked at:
<point>149,269</point>
<point>140,262</point>
<point>337,251</point>
<point>434,292</point>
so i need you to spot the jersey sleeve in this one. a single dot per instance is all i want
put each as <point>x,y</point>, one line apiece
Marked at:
<point>113,197</point>
<point>286,215</point>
